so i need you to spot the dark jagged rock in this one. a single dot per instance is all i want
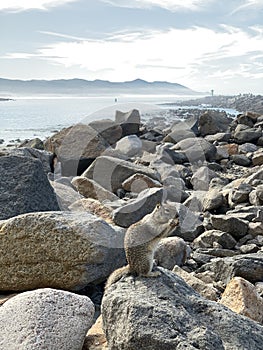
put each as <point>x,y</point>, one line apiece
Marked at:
<point>197,149</point>
<point>24,187</point>
<point>248,266</point>
<point>136,209</point>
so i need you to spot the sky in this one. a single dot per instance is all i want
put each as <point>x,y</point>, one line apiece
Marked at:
<point>202,44</point>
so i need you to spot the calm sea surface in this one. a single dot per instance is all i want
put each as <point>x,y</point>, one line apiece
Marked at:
<point>27,118</point>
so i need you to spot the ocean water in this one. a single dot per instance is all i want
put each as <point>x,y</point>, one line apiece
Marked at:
<point>27,118</point>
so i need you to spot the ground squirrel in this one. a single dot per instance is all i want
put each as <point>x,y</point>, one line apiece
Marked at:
<point>141,240</point>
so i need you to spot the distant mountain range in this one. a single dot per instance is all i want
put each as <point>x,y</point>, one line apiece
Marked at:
<point>81,87</point>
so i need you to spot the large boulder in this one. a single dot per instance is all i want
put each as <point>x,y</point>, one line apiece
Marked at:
<point>62,250</point>
<point>178,135</point>
<point>66,195</point>
<point>202,178</point>
<point>129,121</point>
<point>197,149</point>
<point>45,319</point>
<point>208,238</point>
<point>24,187</point>
<point>171,251</point>
<point>110,131</point>
<point>212,122</point>
<point>166,313</point>
<point>230,224</point>
<point>182,129</point>
<point>129,145</point>
<point>35,143</point>
<point>90,189</point>
<point>243,135</point>
<point>45,157</point>
<point>76,147</point>
<point>139,182</point>
<point>190,224</point>
<point>241,296</point>
<point>110,172</point>
<point>136,209</point>
<point>218,137</point>
<point>214,199</point>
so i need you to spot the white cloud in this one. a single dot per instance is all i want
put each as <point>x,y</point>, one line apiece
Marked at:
<point>249,5</point>
<point>171,5</point>
<point>22,5</point>
<point>18,55</point>
<point>197,57</point>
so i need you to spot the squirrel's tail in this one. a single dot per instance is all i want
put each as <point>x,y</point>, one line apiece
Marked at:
<point>117,275</point>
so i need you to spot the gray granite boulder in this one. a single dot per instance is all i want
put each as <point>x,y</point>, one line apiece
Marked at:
<point>129,145</point>
<point>45,157</point>
<point>35,143</point>
<point>218,137</point>
<point>139,182</point>
<point>76,147</point>
<point>166,313</point>
<point>230,224</point>
<point>136,209</point>
<point>214,199</point>
<point>202,177</point>
<point>45,319</point>
<point>178,135</point>
<point>241,159</point>
<point>66,195</point>
<point>208,238</point>
<point>255,177</point>
<point>110,172</point>
<point>170,156</point>
<point>248,266</point>
<point>24,187</point>
<point>171,251</point>
<point>182,129</point>
<point>195,201</point>
<point>190,224</point>
<point>197,149</point>
<point>212,122</point>
<point>63,250</point>
<point>110,131</point>
<point>243,135</point>
<point>129,121</point>
<point>247,147</point>
<point>239,194</point>
<point>90,189</point>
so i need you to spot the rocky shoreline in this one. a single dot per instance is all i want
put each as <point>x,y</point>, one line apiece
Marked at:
<point>241,103</point>
<point>66,204</point>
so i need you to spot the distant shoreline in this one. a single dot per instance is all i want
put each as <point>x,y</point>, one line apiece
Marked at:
<point>2,99</point>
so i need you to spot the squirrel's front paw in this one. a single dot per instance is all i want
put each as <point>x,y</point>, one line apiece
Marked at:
<point>174,222</point>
